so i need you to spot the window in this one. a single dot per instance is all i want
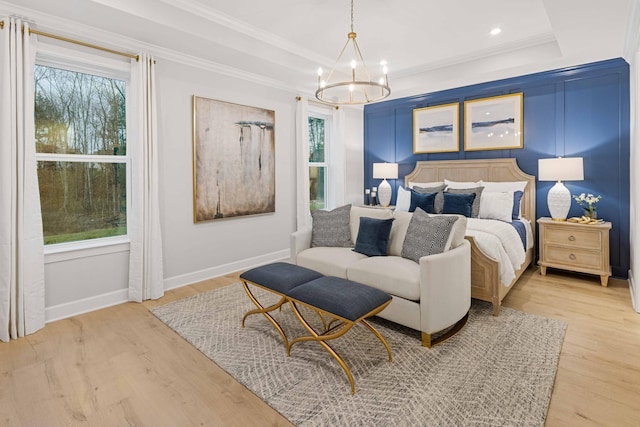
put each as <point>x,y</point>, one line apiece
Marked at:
<point>81,148</point>
<point>318,165</point>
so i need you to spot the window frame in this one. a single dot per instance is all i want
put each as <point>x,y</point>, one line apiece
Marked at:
<point>322,113</point>
<point>82,61</point>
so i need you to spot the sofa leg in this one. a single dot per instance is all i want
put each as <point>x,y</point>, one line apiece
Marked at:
<point>428,342</point>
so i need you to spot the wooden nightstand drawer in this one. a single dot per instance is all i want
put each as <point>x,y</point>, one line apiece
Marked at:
<point>572,257</point>
<point>589,239</point>
<point>575,247</point>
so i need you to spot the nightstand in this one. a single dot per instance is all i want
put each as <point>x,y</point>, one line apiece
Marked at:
<point>575,247</point>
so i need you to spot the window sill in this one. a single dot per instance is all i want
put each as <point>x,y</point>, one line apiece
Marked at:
<point>74,250</point>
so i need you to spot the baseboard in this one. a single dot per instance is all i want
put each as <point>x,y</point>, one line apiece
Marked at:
<point>74,308</point>
<point>635,295</point>
<point>221,270</point>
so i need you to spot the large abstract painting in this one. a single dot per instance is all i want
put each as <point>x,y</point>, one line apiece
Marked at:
<point>233,160</point>
<point>493,123</point>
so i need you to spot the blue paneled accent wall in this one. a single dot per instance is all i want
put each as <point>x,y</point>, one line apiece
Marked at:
<point>578,111</point>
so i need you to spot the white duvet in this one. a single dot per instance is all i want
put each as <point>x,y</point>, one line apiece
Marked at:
<point>500,241</point>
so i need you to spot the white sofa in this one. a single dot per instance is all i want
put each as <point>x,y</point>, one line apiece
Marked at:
<point>431,296</point>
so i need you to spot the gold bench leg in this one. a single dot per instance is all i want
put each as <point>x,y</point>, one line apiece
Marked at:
<point>320,339</point>
<point>265,311</point>
<point>380,337</point>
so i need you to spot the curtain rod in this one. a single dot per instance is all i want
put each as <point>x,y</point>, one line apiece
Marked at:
<point>81,43</point>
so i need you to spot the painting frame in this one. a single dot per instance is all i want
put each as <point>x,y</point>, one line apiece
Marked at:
<point>436,129</point>
<point>505,129</point>
<point>233,160</point>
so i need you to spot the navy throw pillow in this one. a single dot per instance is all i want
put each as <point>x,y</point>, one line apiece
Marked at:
<point>517,196</point>
<point>373,236</point>
<point>424,201</point>
<point>460,204</point>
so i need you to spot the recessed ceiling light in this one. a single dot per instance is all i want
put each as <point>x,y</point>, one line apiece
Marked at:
<point>495,31</point>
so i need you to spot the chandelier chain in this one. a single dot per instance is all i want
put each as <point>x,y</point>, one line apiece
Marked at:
<point>352,16</point>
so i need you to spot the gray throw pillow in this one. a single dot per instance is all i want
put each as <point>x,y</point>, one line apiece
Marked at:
<point>475,208</point>
<point>426,235</point>
<point>439,189</point>
<point>331,228</point>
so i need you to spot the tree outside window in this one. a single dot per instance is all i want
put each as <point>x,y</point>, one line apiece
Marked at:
<point>317,163</point>
<point>81,146</point>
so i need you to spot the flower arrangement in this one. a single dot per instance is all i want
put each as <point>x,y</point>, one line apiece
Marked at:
<point>587,202</point>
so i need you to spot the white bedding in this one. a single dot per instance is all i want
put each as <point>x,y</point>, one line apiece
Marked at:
<point>500,241</point>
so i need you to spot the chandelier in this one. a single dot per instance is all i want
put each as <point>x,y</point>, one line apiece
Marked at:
<point>361,88</point>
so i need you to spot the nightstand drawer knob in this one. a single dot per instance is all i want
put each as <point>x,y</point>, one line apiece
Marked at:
<point>572,238</point>
<point>572,257</point>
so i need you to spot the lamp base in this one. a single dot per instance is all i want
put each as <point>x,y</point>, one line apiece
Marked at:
<point>384,193</point>
<point>559,202</point>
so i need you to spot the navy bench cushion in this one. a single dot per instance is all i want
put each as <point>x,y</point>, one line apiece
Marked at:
<point>280,276</point>
<point>342,297</point>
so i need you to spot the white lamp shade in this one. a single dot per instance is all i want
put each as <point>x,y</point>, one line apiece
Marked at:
<point>561,169</point>
<point>385,171</point>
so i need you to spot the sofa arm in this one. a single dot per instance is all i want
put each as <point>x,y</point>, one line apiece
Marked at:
<point>300,240</point>
<point>445,288</point>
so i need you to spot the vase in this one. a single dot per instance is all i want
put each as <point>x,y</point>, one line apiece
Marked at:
<point>591,213</point>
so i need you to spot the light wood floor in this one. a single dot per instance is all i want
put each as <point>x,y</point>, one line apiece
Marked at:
<point>121,366</point>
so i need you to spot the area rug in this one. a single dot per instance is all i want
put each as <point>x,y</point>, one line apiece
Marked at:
<point>498,371</point>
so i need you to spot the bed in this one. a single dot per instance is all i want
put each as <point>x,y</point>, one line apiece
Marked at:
<point>485,269</point>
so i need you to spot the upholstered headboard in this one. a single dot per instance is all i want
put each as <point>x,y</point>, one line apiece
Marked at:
<point>475,170</point>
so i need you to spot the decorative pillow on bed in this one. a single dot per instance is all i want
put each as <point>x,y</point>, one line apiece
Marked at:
<point>373,236</point>
<point>461,204</point>
<point>426,235</point>
<point>516,186</point>
<point>496,205</point>
<point>438,189</point>
<point>331,228</point>
<point>403,200</point>
<point>475,209</point>
<point>424,201</point>
<point>517,197</point>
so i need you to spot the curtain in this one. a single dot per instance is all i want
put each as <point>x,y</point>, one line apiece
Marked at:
<point>145,259</point>
<point>303,217</point>
<point>21,238</point>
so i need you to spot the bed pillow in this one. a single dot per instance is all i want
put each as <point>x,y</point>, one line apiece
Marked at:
<point>461,204</point>
<point>426,235</point>
<point>475,208</point>
<point>424,201</point>
<point>438,189</point>
<point>425,184</point>
<point>373,236</point>
<point>403,200</point>
<point>517,198</point>
<point>331,228</point>
<point>462,184</point>
<point>496,205</point>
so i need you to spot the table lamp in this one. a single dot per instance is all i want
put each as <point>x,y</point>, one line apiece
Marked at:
<point>384,171</point>
<point>560,169</point>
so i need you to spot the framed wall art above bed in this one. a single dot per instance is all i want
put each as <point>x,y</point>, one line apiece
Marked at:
<point>436,129</point>
<point>493,123</point>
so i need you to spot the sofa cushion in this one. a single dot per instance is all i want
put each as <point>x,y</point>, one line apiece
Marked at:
<point>426,235</point>
<point>358,212</point>
<point>331,228</point>
<point>398,232</point>
<point>373,236</point>
<point>329,261</point>
<point>395,275</point>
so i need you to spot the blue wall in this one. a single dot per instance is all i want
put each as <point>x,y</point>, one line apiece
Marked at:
<point>578,111</point>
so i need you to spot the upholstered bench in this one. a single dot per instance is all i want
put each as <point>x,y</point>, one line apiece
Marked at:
<point>345,302</point>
